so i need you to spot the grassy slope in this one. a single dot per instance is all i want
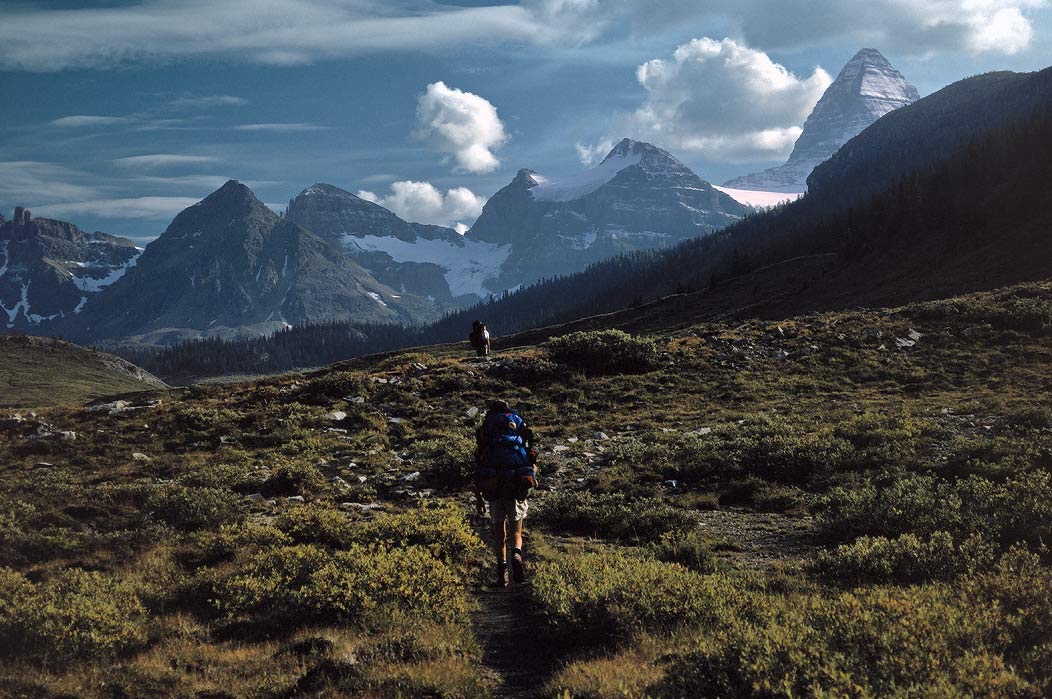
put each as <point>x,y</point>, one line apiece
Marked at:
<point>35,372</point>
<point>180,536</point>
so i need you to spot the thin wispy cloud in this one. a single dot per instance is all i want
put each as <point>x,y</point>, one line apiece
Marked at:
<point>189,101</point>
<point>145,208</point>
<point>82,120</point>
<point>23,181</point>
<point>295,126</point>
<point>160,160</point>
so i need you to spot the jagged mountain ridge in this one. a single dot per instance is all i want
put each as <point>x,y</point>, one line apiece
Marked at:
<point>867,88</point>
<point>430,261</point>
<point>228,265</point>
<point>638,198</point>
<point>51,269</point>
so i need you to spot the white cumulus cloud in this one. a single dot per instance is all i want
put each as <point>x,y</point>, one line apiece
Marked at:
<point>461,124</point>
<point>725,100</point>
<point>422,202</point>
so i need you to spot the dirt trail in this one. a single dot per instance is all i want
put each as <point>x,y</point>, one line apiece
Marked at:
<point>517,658</point>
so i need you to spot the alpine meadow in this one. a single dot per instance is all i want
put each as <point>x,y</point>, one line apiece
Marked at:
<point>515,400</point>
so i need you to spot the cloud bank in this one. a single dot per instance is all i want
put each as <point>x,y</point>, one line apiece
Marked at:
<point>462,125</point>
<point>296,32</point>
<point>422,202</point>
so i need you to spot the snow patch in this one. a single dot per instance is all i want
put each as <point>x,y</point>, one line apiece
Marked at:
<point>93,284</point>
<point>467,266</point>
<point>22,305</point>
<point>583,183</point>
<point>7,258</point>
<point>758,198</point>
<point>80,304</point>
<point>376,297</point>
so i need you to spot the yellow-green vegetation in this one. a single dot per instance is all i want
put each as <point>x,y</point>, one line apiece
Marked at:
<point>41,371</point>
<point>850,504</point>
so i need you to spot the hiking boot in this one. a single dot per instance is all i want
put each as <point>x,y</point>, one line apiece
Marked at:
<point>518,569</point>
<point>502,575</point>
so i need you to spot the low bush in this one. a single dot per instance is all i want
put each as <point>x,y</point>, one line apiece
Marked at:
<point>605,352</point>
<point>337,385</point>
<point>440,529</point>
<point>690,549</point>
<point>880,440</point>
<point>450,460</point>
<point>374,585</point>
<point>905,559</point>
<point>316,524</point>
<point>987,638</point>
<point>611,594</point>
<point>1018,510</point>
<point>193,508</point>
<point>294,479</point>
<point>613,516</point>
<point>75,615</point>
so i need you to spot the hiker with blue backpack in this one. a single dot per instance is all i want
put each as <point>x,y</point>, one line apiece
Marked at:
<point>505,473</point>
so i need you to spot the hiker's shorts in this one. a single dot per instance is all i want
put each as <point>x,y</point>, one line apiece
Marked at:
<point>511,510</point>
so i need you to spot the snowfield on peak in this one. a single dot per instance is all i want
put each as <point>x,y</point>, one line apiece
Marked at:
<point>583,183</point>
<point>759,198</point>
<point>467,266</point>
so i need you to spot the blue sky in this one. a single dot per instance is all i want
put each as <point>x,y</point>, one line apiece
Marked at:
<point>118,114</point>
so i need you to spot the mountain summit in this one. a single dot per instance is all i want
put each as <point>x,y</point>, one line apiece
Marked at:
<point>639,197</point>
<point>228,265</point>
<point>867,88</point>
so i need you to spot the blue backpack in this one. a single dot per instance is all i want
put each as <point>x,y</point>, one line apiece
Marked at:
<point>505,462</point>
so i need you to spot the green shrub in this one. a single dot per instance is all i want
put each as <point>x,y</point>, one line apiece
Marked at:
<point>690,549</point>
<point>1017,510</point>
<point>450,460</point>
<point>880,440</point>
<point>294,479</point>
<point>193,508</point>
<point>605,352</point>
<point>76,614</point>
<point>601,594</point>
<point>905,559</point>
<point>912,642</point>
<point>613,516</point>
<point>338,384</point>
<point>316,524</point>
<point>308,584</point>
<point>440,529</point>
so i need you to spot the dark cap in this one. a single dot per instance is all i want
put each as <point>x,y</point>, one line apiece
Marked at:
<point>499,406</point>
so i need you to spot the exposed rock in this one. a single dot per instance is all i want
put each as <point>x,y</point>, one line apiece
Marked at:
<point>867,88</point>
<point>472,412</point>
<point>601,436</point>
<point>139,456</point>
<point>337,416</point>
<point>295,499</point>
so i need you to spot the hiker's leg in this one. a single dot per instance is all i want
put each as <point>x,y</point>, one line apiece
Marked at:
<point>499,541</point>
<point>516,535</point>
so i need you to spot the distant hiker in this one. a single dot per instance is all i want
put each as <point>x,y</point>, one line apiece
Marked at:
<point>505,472</point>
<point>479,338</point>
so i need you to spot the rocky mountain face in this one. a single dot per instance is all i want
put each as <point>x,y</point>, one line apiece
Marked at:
<point>50,270</point>
<point>638,198</point>
<point>230,266</point>
<point>429,261</point>
<point>866,89</point>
